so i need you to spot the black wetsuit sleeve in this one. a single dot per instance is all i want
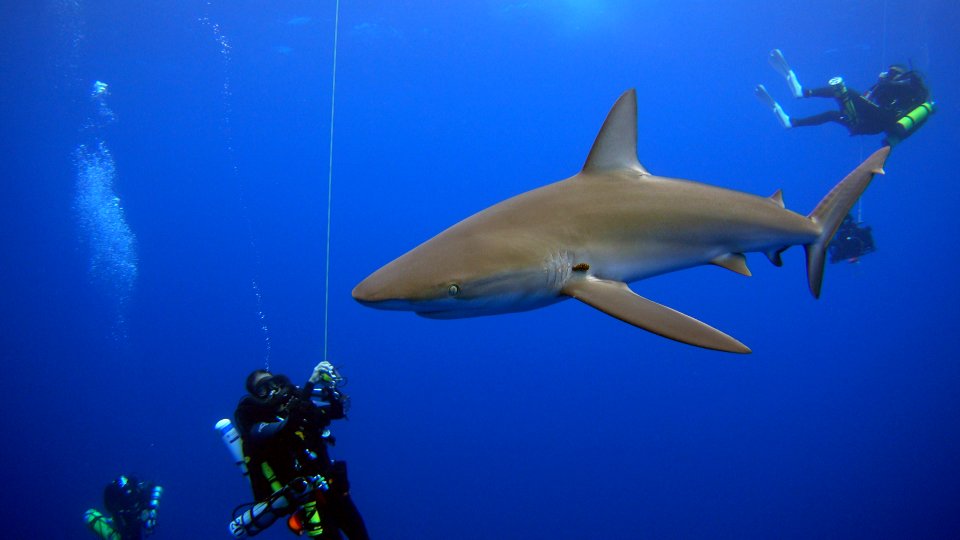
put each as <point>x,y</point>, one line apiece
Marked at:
<point>263,431</point>
<point>307,391</point>
<point>334,399</point>
<point>822,91</point>
<point>244,416</point>
<point>334,410</point>
<point>255,422</point>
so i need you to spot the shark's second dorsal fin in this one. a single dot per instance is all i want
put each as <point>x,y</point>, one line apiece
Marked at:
<point>616,146</point>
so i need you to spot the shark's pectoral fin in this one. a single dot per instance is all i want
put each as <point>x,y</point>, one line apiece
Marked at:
<point>616,299</point>
<point>735,262</point>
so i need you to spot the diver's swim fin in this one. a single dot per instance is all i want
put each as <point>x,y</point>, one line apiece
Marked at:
<point>767,99</point>
<point>780,64</point>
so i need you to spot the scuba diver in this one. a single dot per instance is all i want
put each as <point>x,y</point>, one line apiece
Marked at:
<point>897,105</point>
<point>284,434</point>
<point>852,241</point>
<point>132,506</point>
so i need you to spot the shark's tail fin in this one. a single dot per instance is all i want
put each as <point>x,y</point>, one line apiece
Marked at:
<point>831,210</point>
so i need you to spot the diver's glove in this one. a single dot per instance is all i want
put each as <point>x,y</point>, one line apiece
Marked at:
<point>324,373</point>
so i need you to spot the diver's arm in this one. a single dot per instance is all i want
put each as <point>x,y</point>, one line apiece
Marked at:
<point>307,390</point>
<point>263,431</point>
<point>247,415</point>
<point>333,407</point>
<point>896,93</point>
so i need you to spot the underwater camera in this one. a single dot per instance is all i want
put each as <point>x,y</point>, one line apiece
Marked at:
<point>852,241</point>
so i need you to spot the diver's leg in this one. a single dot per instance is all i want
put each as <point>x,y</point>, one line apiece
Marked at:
<point>349,519</point>
<point>870,119</point>
<point>767,99</point>
<point>823,91</point>
<point>779,63</point>
<point>822,118</point>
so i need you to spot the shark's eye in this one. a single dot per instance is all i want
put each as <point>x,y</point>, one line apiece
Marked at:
<point>453,290</point>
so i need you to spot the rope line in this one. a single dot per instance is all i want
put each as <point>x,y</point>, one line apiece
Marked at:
<point>333,95</point>
<point>883,66</point>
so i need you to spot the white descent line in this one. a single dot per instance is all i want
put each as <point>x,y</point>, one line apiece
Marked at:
<point>333,95</point>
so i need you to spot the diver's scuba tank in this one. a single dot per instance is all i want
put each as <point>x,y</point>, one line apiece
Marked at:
<point>910,123</point>
<point>100,524</point>
<point>149,515</point>
<point>231,438</point>
<point>155,495</point>
<point>283,501</point>
<point>838,86</point>
<point>842,95</point>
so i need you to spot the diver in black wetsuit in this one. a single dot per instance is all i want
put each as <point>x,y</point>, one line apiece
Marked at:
<point>896,105</point>
<point>285,439</point>
<point>132,506</point>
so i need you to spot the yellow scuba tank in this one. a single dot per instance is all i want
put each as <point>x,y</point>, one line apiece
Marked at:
<point>267,471</point>
<point>312,524</point>
<point>100,524</point>
<point>910,122</point>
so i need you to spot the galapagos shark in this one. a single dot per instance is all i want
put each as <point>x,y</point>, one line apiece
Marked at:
<point>612,223</point>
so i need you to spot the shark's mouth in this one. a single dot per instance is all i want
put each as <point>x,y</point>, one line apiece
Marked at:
<point>391,305</point>
<point>445,314</point>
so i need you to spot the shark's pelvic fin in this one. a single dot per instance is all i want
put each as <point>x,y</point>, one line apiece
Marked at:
<point>616,299</point>
<point>615,148</point>
<point>736,262</point>
<point>831,210</point>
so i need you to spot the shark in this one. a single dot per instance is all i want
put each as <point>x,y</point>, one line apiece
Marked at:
<point>613,223</point>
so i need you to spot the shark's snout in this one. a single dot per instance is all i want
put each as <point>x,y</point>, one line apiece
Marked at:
<point>370,296</point>
<point>367,293</point>
<point>379,290</point>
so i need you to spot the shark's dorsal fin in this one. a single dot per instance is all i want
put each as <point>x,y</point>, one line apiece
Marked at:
<point>615,148</point>
<point>777,198</point>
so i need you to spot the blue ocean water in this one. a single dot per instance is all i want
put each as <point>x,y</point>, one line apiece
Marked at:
<point>155,255</point>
